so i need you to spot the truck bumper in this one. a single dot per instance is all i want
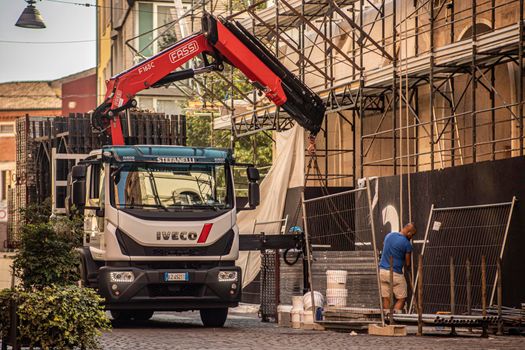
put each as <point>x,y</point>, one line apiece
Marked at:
<point>150,291</point>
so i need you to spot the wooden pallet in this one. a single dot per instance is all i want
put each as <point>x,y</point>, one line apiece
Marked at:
<point>388,330</point>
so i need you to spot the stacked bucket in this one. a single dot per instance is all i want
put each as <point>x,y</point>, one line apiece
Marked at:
<point>336,292</point>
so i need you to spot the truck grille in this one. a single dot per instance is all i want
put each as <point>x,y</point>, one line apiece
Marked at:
<point>175,290</point>
<point>129,247</point>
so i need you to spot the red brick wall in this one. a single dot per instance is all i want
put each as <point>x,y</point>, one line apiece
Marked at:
<point>79,96</point>
<point>33,113</point>
<point>8,144</point>
<point>7,149</point>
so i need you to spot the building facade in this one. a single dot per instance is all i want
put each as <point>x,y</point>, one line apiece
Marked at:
<point>78,92</point>
<point>127,33</point>
<point>75,93</point>
<point>35,98</point>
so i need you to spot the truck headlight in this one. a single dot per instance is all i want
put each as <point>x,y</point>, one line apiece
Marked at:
<point>121,277</point>
<point>227,276</point>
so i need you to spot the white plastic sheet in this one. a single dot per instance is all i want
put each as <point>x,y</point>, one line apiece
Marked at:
<point>287,171</point>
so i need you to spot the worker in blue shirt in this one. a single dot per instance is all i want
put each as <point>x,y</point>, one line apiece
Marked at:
<point>397,245</point>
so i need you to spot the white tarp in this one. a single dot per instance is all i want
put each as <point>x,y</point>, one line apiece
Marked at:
<point>287,171</point>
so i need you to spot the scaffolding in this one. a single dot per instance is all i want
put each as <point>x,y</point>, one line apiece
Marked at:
<point>409,85</point>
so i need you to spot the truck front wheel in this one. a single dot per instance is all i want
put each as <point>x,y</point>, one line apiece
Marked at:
<point>214,317</point>
<point>126,315</point>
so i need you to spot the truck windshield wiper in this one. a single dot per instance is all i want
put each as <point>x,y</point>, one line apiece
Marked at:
<point>133,206</point>
<point>214,207</point>
<point>195,206</point>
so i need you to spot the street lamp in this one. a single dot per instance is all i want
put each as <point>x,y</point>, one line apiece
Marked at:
<point>30,17</point>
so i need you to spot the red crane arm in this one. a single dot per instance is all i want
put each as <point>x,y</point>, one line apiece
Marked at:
<point>224,42</point>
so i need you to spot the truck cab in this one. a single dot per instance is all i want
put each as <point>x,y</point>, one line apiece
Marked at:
<point>160,229</point>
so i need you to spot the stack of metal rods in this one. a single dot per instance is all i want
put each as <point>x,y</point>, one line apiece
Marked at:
<point>509,315</point>
<point>451,320</point>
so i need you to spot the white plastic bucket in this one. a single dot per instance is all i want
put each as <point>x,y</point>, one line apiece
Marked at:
<point>296,319</point>
<point>307,317</point>
<point>307,300</point>
<point>336,279</point>
<point>336,297</point>
<point>297,303</point>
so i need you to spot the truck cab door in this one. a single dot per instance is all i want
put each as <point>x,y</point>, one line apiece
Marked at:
<point>94,209</point>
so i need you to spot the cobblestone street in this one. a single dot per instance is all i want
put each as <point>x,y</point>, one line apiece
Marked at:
<point>184,331</point>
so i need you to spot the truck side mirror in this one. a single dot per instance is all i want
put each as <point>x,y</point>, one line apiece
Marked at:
<point>78,172</point>
<point>78,193</point>
<point>254,195</point>
<point>253,174</point>
<point>76,188</point>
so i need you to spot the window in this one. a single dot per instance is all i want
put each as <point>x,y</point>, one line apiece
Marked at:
<point>159,105</point>
<point>5,182</point>
<point>145,25</point>
<point>176,186</point>
<point>480,29</point>
<point>145,103</point>
<point>167,106</point>
<point>7,129</point>
<point>96,185</point>
<point>151,16</point>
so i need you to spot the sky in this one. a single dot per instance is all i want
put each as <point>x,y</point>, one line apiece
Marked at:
<point>43,60</point>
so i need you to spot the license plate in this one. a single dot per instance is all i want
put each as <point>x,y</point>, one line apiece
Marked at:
<point>176,276</point>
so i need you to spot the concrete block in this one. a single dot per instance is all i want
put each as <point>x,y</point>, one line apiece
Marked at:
<point>285,319</point>
<point>388,330</point>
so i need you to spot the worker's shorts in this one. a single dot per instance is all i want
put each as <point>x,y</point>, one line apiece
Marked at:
<point>400,284</point>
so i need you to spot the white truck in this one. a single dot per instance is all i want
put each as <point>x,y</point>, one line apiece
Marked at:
<point>160,229</point>
<point>160,221</point>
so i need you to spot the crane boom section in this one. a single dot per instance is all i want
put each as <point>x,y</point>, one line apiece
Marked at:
<point>222,41</point>
<point>124,86</point>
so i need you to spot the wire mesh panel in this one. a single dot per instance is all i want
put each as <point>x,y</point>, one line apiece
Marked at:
<point>455,239</point>
<point>269,284</point>
<point>264,288</point>
<point>344,266</point>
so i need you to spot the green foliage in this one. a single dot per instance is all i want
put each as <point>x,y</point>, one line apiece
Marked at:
<point>222,88</point>
<point>47,253</point>
<point>56,317</point>
<point>36,213</point>
<point>167,39</point>
<point>198,131</point>
<point>256,148</point>
<point>5,296</point>
<point>53,313</point>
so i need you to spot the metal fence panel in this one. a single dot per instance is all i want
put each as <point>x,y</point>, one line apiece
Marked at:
<point>462,235</point>
<point>340,233</point>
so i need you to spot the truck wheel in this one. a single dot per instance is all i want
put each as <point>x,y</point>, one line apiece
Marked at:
<point>121,315</point>
<point>127,315</point>
<point>141,315</point>
<point>82,273</point>
<point>214,317</point>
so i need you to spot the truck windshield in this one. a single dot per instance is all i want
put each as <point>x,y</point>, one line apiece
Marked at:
<point>171,186</point>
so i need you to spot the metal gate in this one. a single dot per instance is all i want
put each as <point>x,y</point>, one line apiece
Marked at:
<point>340,236</point>
<point>456,239</point>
